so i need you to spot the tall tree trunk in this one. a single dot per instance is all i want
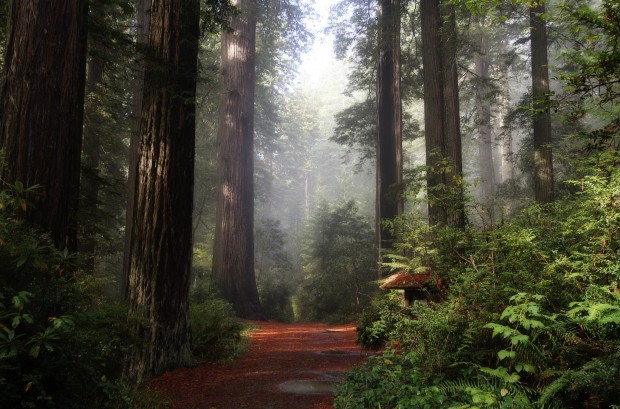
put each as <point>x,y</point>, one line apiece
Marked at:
<point>441,115</point>
<point>455,210</point>
<point>506,148</point>
<point>433,106</point>
<point>483,122</point>
<point>543,158</point>
<point>233,250</point>
<point>389,124</point>
<point>42,110</point>
<point>161,236</point>
<point>143,20</point>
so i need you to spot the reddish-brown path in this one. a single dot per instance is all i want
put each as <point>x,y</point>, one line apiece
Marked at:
<point>278,353</point>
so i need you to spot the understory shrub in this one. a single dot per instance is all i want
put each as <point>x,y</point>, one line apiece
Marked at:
<point>530,316</point>
<point>216,331</point>
<point>60,347</point>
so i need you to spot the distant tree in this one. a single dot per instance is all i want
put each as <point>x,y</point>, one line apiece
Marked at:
<point>104,162</point>
<point>274,274</point>
<point>441,114</point>
<point>42,106</point>
<point>233,249</point>
<point>338,265</point>
<point>543,156</point>
<point>90,182</point>
<point>161,237</point>
<point>483,101</point>
<point>389,123</point>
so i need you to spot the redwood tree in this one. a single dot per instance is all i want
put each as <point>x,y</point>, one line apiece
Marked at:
<point>233,250</point>
<point>42,109</point>
<point>543,158</point>
<point>389,122</point>
<point>441,114</point>
<point>483,121</point>
<point>161,237</point>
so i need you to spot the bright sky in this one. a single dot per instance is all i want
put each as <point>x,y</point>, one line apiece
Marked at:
<point>320,60</point>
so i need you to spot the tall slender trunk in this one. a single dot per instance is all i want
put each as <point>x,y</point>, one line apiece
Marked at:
<point>485,143</point>
<point>543,157</point>
<point>161,255</point>
<point>389,205</point>
<point>233,250</point>
<point>42,109</point>
<point>505,135</point>
<point>455,210</point>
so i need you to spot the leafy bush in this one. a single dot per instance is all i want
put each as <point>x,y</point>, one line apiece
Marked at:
<point>531,316</point>
<point>70,361</point>
<point>59,348</point>
<point>216,331</point>
<point>389,381</point>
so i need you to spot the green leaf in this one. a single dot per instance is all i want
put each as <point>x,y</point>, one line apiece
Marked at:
<point>519,339</point>
<point>504,353</point>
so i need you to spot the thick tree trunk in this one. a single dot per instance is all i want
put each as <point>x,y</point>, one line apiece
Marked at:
<point>42,107</point>
<point>441,115</point>
<point>161,236</point>
<point>143,8</point>
<point>233,250</point>
<point>433,106</point>
<point>543,158</point>
<point>389,124</point>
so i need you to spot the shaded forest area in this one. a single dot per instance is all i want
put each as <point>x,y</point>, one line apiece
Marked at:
<point>169,167</point>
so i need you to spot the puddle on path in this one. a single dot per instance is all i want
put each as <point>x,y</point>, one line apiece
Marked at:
<point>308,387</point>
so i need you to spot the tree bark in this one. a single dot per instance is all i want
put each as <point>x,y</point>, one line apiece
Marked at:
<point>143,8</point>
<point>441,115</point>
<point>42,109</point>
<point>389,204</point>
<point>233,250</point>
<point>543,157</point>
<point>483,123</point>
<point>506,148</point>
<point>161,236</point>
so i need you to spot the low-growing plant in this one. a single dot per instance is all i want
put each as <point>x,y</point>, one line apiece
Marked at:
<point>59,346</point>
<point>530,316</point>
<point>216,331</point>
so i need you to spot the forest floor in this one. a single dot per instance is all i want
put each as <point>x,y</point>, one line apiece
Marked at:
<point>287,366</point>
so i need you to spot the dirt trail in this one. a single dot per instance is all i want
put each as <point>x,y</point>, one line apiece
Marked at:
<point>279,356</point>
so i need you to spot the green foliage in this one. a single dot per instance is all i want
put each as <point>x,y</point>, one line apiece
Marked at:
<point>275,276</point>
<point>389,381</point>
<point>338,267</point>
<point>376,322</point>
<point>530,318</point>
<point>69,361</point>
<point>60,347</point>
<point>216,331</point>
